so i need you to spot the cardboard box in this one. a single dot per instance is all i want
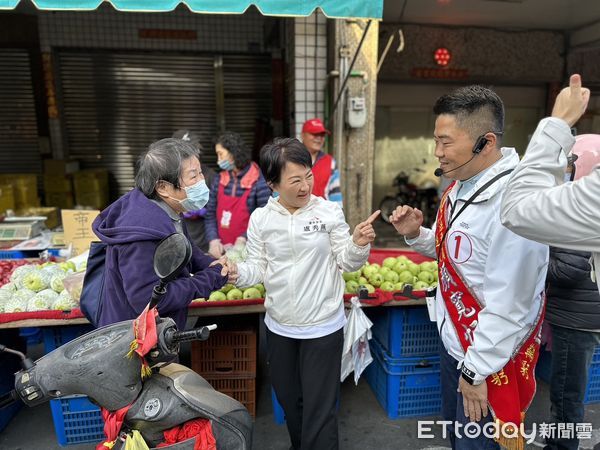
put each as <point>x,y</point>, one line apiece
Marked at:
<point>7,197</point>
<point>19,179</point>
<point>61,183</point>
<point>91,188</point>
<point>78,229</point>
<point>62,200</point>
<point>24,186</point>
<point>96,200</point>
<point>93,180</point>
<point>60,167</point>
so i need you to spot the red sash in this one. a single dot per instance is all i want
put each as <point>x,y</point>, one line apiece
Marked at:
<point>322,173</point>
<point>511,390</point>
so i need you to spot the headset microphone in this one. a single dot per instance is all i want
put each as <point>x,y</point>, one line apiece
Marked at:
<point>439,172</point>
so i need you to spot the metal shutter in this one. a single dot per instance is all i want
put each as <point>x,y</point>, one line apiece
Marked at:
<point>19,149</point>
<point>115,104</point>
<point>247,91</point>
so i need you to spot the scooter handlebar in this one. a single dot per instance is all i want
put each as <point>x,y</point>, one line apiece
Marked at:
<point>197,334</point>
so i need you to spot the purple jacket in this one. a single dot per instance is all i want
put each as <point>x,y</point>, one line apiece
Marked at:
<point>132,227</point>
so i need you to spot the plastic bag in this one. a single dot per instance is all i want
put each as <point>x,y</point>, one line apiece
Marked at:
<point>73,284</point>
<point>356,355</point>
<point>135,441</point>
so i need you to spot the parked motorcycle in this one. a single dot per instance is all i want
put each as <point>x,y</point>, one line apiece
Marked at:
<point>96,365</point>
<point>424,198</point>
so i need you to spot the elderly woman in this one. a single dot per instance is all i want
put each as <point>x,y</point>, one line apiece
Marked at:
<point>298,245</point>
<point>168,182</point>
<point>235,193</point>
<point>194,220</point>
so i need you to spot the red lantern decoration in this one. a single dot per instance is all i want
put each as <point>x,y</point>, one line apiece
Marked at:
<point>442,56</point>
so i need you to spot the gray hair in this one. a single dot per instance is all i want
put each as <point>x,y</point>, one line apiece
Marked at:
<point>162,161</point>
<point>190,136</point>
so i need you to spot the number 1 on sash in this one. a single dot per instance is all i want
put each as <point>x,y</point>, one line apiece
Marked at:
<point>457,239</point>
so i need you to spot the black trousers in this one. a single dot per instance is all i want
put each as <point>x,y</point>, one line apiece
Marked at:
<point>305,374</point>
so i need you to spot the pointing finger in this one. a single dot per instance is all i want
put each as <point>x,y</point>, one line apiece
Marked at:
<point>373,216</point>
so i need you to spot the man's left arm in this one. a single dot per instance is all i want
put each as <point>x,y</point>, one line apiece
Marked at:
<point>515,272</point>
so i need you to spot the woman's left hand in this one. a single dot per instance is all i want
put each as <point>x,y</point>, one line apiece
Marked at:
<point>364,233</point>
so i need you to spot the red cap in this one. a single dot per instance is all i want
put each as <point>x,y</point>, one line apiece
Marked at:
<point>314,126</point>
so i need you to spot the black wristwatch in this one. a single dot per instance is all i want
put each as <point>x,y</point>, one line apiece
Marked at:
<point>468,375</point>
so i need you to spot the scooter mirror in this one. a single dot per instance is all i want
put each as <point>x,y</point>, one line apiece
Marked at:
<point>172,254</point>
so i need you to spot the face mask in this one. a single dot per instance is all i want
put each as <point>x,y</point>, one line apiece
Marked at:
<point>196,196</point>
<point>225,164</point>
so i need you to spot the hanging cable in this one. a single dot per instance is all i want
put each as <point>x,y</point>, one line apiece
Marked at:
<point>343,86</point>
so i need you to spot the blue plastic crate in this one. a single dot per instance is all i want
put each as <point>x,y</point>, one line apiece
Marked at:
<point>22,254</point>
<point>12,254</point>
<point>6,414</point>
<point>405,331</point>
<point>278,414</point>
<point>76,420</point>
<point>592,393</point>
<point>596,357</point>
<point>405,387</point>
<point>54,337</point>
<point>32,335</point>
<point>9,363</point>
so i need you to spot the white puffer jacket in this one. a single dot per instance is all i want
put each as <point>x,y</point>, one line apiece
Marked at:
<point>300,258</point>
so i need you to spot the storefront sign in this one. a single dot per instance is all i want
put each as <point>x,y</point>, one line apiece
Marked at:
<point>439,74</point>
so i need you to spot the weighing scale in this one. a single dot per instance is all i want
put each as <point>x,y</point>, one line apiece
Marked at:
<point>13,229</point>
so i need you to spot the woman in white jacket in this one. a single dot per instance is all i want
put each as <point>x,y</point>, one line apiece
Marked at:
<point>298,245</point>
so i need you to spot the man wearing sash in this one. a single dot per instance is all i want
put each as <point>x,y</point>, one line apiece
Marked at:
<point>489,302</point>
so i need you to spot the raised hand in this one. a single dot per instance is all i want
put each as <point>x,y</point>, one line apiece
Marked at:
<point>572,101</point>
<point>407,221</point>
<point>363,232</point>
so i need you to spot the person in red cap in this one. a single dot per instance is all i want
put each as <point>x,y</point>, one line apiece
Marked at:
<point>325,173</point>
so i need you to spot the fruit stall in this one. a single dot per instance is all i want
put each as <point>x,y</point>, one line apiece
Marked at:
<point>34,292</point>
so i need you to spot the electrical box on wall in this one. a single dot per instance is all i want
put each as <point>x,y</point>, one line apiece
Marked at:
<point>356,114</point>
